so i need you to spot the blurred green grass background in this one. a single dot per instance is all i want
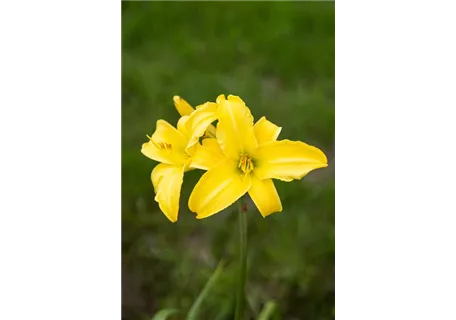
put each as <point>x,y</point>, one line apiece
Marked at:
<point>279,57</point>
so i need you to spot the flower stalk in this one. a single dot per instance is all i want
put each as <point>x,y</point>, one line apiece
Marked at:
<point>240,299</point>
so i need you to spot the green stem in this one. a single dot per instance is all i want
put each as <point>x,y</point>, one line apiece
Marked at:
<point>240,300</point>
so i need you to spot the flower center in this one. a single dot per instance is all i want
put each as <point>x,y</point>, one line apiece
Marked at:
<point>245,163</point>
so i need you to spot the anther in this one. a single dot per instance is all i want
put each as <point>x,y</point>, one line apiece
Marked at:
<point>163,145</point>
<point>245,164</point>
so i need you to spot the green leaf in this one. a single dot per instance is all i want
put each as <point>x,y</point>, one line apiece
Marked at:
<point>163,314</point>
<point>193,313</point>
<point>268,310</point>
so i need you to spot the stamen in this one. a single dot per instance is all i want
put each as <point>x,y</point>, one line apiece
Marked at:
<point>163,145</point>
<point>245,163</point>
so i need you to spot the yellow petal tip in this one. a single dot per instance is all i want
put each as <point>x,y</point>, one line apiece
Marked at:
<point>220,98</point>
<point>182,106</point>
<point>267,214</point>
<point>160,121</point>
<point>235,99</point>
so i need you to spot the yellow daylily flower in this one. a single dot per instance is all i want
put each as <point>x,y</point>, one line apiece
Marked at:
<point>185,109</point>
<point>174,149</point>
<point>245,158</point>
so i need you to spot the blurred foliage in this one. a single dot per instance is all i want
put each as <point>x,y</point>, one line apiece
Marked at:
<point>279,57</point>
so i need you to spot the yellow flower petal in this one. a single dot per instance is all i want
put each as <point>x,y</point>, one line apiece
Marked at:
<point>182,126</point>
<point>154,152</point>
<point>220,98</point>
<point>199,120</point>
<point>166,133</point>
<point>266,131</point>
<point>167,180</point>
<point>235,132</point>
<point>210,132</point>
<point>287,160</point>
<point>207,155</point>
<point>218,188</point>
<point>182,106</point>
<point>191,151</point>
<point>166,145</point>
<point>264,195</point>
